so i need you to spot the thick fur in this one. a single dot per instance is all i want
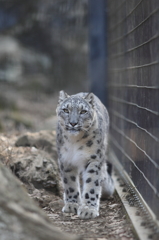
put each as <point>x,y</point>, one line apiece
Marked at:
<point>82,138</point>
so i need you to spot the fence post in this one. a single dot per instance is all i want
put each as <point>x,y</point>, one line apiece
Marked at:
<point>98,49</point>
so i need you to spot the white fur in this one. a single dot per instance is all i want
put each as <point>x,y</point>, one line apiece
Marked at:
<point>88,160</point>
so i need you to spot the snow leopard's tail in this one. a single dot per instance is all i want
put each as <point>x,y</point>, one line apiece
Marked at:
<point>107,183</point>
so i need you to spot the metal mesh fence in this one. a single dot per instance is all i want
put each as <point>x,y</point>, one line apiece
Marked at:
<point>134,92</point>
<point>44,41</point>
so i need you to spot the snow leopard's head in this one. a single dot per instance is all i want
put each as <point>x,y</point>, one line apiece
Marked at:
<point>76,112</point>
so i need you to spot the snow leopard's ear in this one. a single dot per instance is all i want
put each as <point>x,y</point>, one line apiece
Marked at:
<point>90,98</point>
<point>62,96</point>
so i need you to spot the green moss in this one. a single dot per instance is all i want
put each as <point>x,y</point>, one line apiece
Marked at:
<point>6,104</point>
<point>1,127</point>
<point>18,120</point>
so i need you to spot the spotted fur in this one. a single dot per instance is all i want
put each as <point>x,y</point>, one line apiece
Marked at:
<point>82,137</point>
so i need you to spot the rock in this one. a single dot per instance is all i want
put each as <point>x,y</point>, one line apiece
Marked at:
<point>36,167</point>
<point>20,218</point>
<point>43,140</point>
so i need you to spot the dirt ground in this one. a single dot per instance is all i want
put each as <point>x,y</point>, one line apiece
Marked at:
<point>112,223</point>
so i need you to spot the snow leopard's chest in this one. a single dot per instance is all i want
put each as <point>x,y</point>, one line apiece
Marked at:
<point>78,152</point>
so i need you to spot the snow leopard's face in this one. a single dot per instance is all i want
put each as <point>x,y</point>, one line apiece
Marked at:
<point>75,113</point>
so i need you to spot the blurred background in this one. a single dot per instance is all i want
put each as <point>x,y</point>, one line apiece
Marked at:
<point>108,47</point>
<point>43,49</point>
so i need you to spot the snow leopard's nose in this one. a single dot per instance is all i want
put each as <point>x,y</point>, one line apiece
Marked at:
<point>73,124</point>
<point>73,120</point>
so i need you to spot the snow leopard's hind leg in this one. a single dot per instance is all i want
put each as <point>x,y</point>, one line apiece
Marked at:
<point>107,182</point>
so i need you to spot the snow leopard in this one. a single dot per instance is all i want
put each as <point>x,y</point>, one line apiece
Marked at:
<point>82,139</point>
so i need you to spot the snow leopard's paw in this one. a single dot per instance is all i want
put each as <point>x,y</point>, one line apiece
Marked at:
<point>86,212</point>
<point>70,208</point>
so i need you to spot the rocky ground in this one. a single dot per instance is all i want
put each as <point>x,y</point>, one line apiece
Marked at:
<point>33,160</point>
<point>30,152</point>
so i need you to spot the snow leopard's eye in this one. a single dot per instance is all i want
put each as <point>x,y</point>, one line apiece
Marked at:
<point>83,112</point>
<point>65,110</point>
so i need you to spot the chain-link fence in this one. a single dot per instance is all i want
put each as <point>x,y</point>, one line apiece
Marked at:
<point>134,92</point>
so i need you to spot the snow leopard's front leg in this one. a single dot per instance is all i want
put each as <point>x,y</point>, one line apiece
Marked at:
<point>72,195</point>
<point>91,192</point>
